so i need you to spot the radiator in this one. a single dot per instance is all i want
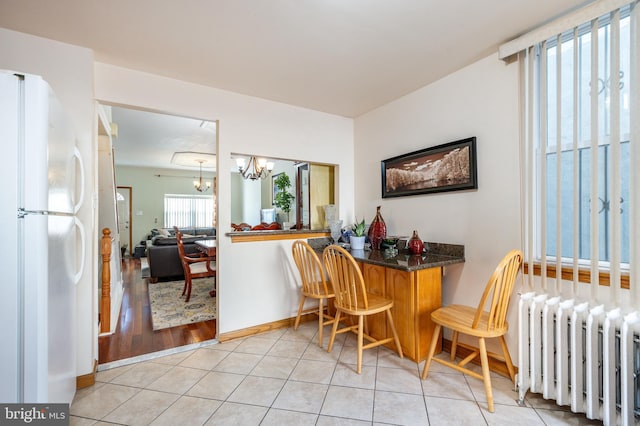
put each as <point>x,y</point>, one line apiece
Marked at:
<point>580,356</point>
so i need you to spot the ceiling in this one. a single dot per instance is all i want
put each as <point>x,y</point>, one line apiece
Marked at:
<point>151,139</point>
<point>343,57</point>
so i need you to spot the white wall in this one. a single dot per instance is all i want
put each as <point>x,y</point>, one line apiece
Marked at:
<point>251,201</point>
<point>237,201</point>
<point>147,194</point>
<point>255,285</point>
<point>480,100</point>
<point>107,218</point>
<point>69,70</point>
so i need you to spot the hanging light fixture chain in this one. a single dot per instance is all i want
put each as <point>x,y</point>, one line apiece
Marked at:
<point>199,185</point>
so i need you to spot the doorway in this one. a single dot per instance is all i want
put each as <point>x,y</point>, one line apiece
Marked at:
<point>123,207</point>
<point>144,159</point>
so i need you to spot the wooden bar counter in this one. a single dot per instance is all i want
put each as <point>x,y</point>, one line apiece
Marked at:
<point>414,283</point>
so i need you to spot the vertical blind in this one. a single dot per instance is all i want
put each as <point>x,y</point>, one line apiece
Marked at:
<point>580,160</point>
<point>186,211</point>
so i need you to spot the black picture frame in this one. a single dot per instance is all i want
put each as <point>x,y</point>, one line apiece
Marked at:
<point>442,168</point>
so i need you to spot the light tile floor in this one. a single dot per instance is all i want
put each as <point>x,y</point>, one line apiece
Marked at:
<point>284,378</point>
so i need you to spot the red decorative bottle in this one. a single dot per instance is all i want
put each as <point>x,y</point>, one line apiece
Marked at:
<point>415,244</point>
<point>377,230</point>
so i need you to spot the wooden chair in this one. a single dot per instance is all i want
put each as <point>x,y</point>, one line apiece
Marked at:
<point>352,298</point>
<point>314,284</point>
<point>197,265</point>
<point>479,323</point>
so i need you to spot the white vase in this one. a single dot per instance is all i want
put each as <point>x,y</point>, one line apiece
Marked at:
<point>357,243</point>
<point>335,226</point>
<point>282,217</point>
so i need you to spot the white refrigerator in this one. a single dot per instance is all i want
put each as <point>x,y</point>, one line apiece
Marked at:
<point>43,243</point>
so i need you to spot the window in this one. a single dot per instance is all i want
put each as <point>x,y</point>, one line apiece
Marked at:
<point>578,144</point>
<point>186,211</point>
<point>567,124</point>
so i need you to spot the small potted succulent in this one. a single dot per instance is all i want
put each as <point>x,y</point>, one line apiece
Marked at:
<point>357,238</point>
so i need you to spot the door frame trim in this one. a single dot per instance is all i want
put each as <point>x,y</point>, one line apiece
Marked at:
<point>130,189</point>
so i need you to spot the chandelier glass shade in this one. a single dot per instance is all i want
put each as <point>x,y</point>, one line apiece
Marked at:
<point>200,185</point>
<point>255,169</point>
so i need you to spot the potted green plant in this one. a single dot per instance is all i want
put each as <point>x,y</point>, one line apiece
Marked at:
<point>357,239</point>
<point>283,197</point>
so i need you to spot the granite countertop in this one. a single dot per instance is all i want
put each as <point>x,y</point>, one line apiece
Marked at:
<point>435,255</point>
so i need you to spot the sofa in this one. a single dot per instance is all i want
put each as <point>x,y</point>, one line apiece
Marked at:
<point>162,254</point>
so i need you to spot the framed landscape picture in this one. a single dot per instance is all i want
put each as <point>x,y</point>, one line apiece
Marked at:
<point>447,167</point>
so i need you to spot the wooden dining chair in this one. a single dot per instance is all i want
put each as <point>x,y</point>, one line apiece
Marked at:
<point>352,298</point>
<point>476,322</point>
<point>196,265</point>
<point>314,284</point>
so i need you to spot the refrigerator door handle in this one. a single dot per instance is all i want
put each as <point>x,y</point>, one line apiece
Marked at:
<point>78,275</point>
<point>78,204</point>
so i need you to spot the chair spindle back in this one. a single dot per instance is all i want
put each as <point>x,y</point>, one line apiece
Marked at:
<point>310,268</point>
<point>498,291</point>
<point>347,280</point>
<point>180,245</point>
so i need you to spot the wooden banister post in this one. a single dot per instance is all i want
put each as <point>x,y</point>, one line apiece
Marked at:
<point>105,311</point>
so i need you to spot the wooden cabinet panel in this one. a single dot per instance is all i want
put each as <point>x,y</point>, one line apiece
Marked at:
<point>374,279</point>
<point>400,286</point>
<point>415,295</point>
<point>429,298</point>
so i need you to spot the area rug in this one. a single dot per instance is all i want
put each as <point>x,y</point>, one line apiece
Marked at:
<point>144,267</point>
<point>168,308</point>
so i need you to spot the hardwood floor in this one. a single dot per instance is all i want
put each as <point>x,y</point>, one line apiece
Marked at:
<point>134,335</point>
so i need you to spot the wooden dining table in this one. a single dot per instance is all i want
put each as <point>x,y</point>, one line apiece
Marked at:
<point>209,248</point>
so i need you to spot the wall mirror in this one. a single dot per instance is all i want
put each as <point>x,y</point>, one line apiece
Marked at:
<point>254,191</point>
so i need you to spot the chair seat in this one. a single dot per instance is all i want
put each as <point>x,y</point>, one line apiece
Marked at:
<point>460,318</point>
<point>376,304</point>
<point>201,267</point>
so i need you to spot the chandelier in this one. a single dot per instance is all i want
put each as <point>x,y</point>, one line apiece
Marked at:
<point>199,184</point>
<point>255,169</point>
